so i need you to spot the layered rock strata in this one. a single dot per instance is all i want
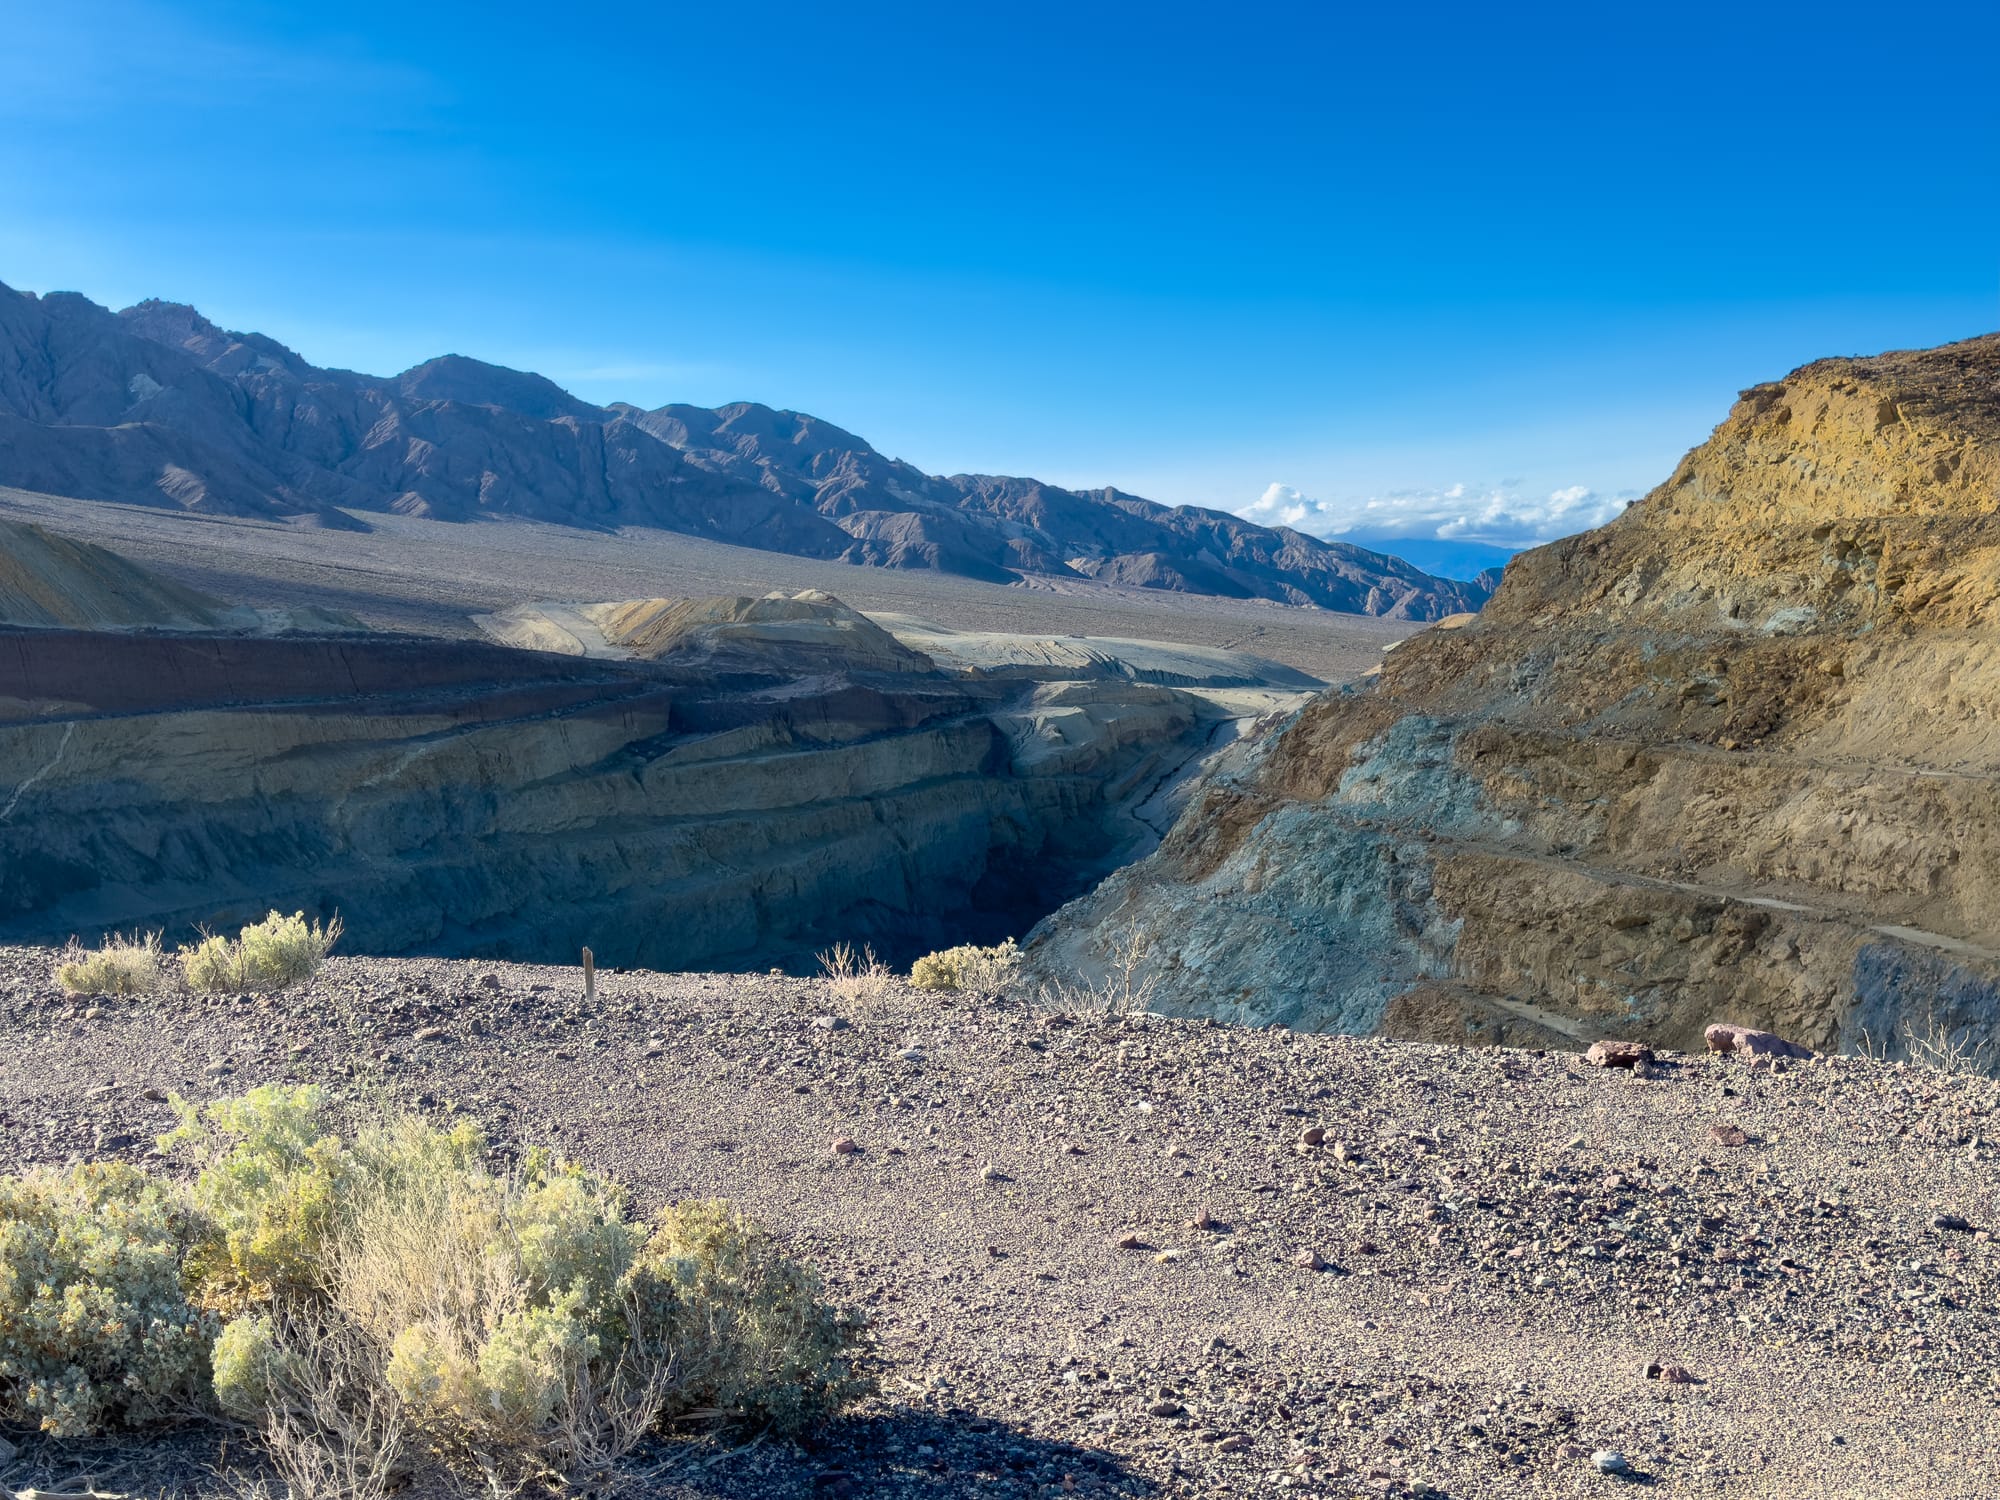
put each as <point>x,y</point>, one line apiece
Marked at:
<point>713,808</point>
<point>1731,757</point>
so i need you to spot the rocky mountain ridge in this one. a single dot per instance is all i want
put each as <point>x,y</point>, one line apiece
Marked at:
<point>157,405</point>
<point>1729,757</point>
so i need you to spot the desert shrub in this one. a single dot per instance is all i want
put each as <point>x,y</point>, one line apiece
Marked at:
<point>96,1327</point>
<point>378,1301</point>
<point>1932,1039</point>
<point>330,1424</point>
<point>247,1365</point>
<point>529,1318</point>
<point>396,1290</point>
<point>1126,987</point>
<point>967,967</point>
<point>118,966</point>
<point>271,1179</point>
<point>268,955</point>
<point>759,1339</point>
<point>854,974</point>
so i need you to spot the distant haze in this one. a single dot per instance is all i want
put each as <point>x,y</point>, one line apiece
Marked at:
<point>1465,560</point>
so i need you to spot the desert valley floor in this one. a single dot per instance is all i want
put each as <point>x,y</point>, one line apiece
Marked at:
<point>430,577</point>
<point>1079,1239</point>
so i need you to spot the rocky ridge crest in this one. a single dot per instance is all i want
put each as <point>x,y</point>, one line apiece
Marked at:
<point>158,406</point>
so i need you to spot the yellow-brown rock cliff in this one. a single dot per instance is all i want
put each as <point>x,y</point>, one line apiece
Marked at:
<point>1734,756</point>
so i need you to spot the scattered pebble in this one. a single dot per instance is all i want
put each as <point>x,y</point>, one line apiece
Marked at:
<point>1454,1175</point>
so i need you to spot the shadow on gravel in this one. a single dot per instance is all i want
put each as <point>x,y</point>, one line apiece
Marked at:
<point>907,1453</point>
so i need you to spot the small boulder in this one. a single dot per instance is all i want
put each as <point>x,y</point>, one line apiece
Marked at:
<point>1313,1135</point>
<point>1309,1260</point>
<point>1610,1054</point>
<point>1728,1135</point>
<point>845,1146</point>
<point>1747,1041</point>
<point>1954,1222</point>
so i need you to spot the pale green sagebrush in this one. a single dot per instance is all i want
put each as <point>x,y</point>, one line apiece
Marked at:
<point>267,955</point>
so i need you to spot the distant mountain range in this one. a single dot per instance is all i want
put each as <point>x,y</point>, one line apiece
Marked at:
<point>156,405</point>
<point>1448,559</point>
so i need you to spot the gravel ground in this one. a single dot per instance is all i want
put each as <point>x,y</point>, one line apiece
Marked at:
<point>1115,1256</point>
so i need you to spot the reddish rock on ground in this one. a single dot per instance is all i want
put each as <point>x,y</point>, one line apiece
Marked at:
<point>1610,1054</point>
<point>1747,1041</point>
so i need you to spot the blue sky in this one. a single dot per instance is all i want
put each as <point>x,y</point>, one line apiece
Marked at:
<point>1477,272</point>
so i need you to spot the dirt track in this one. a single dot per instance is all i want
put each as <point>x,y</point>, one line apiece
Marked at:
<point>1510,1239</point>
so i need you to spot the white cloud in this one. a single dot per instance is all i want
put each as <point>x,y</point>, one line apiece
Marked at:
<point>1281,505</point>
<point>1500,513</point>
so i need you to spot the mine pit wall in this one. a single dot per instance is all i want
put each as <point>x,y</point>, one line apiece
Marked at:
<point>1729,757</point>
<point>1476,881</point>
<point>471,801</point>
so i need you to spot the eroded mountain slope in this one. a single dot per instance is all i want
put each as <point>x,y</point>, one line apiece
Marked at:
<point>1730,756</point>
<point>46,580</point>
<point>156,405</point>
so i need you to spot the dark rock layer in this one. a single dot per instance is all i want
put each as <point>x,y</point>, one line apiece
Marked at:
<point>463,799</point>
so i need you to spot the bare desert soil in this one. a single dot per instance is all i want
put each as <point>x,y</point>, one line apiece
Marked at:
<point>429,577</point>
<point>1079,1239</point>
